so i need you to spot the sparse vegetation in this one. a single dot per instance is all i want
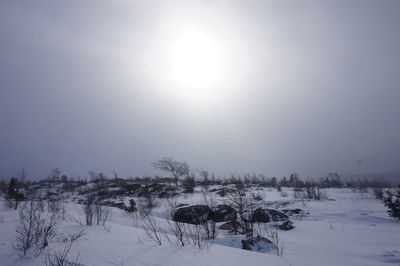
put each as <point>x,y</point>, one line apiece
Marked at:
<point>392,201</point>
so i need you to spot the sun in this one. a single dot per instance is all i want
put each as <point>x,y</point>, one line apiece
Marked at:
<point>195,62</point>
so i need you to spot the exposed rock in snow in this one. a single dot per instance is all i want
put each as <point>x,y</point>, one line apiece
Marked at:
<point>268,215</point>
<point>230,226</point>
<point>294,212</point>
<point>288,225</point>
<point>195,214</point>
<point>223,213</point>
<point>258,243</point>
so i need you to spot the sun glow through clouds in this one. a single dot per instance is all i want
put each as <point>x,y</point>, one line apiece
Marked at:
<point>195,60</point>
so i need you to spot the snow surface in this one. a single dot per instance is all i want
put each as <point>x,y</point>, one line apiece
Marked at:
<point>351,229</point>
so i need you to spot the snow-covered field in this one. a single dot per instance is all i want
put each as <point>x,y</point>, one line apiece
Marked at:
<point>349,229</point>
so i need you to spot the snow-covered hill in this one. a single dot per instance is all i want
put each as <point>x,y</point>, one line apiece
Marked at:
<point>348,229</point>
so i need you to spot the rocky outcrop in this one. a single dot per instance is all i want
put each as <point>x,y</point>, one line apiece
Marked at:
<point>222,213</point>
<point>293,212</point>
<point>195,214</point>
<point>231,226</point>
<point>258,243</point>
<point>268,215</point>
<point>288,225</point>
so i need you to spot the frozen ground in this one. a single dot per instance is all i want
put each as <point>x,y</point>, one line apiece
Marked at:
<point>351,229</point>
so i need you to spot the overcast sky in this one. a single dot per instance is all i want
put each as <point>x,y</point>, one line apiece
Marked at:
<point>305,86</point>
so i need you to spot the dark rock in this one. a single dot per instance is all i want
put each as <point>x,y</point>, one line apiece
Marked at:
<point>292,212</point>
<point>195,214</point>
<point>288,225</point>
<point>268,215</point>
<point>179,205</point>
<point>133,187</point>
<point>258,243</point>
<point>230,226</point>
<point>223,213</point>
<point>119,205</point>
<point>223,191</point>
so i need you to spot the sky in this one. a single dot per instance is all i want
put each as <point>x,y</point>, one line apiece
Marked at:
<point>235,87</point>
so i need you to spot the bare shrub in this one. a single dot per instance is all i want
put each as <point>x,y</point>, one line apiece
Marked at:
<point>378,192</point>
<point>95,212</point>
<point>298,193</point>
<point>205,178</point>
<point>47,231</point>
<point>315,193</point>
<point>73,236</point>
<point>102,214</point>
<point>54,205</point>
<point>28,228</point>
<point>177,229</point>
<point>145,205</point>
<point>270,231</point>
<point>152,229</point>
<point>33,229</point>
<point>363,191</point>
<point>197,236</point>
<point>210,226</point>
<point>189,183</point>
<point>244,207</point>
<point>60,258</point>
<point>273,234</point>
<point>14,197</point>
<point>88,209</point>
<point>257,196</point>
<point>63,213</point>
<point>40,203</point>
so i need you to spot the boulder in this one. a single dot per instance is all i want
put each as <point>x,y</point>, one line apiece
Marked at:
<point>258,243</point>
<point>292,212</point>
<point>288,225</point>
<point>268,215</point>
<point>230,226</point>
<point>222,213</point>
<point>195,214</point>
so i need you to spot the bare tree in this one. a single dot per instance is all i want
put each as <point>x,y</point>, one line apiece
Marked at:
<point>205,178</point>
<point>22,175</point>
<point>14,197</point>
<point>55,173</point>
<point>175,168</point>
<point>189,183</point>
